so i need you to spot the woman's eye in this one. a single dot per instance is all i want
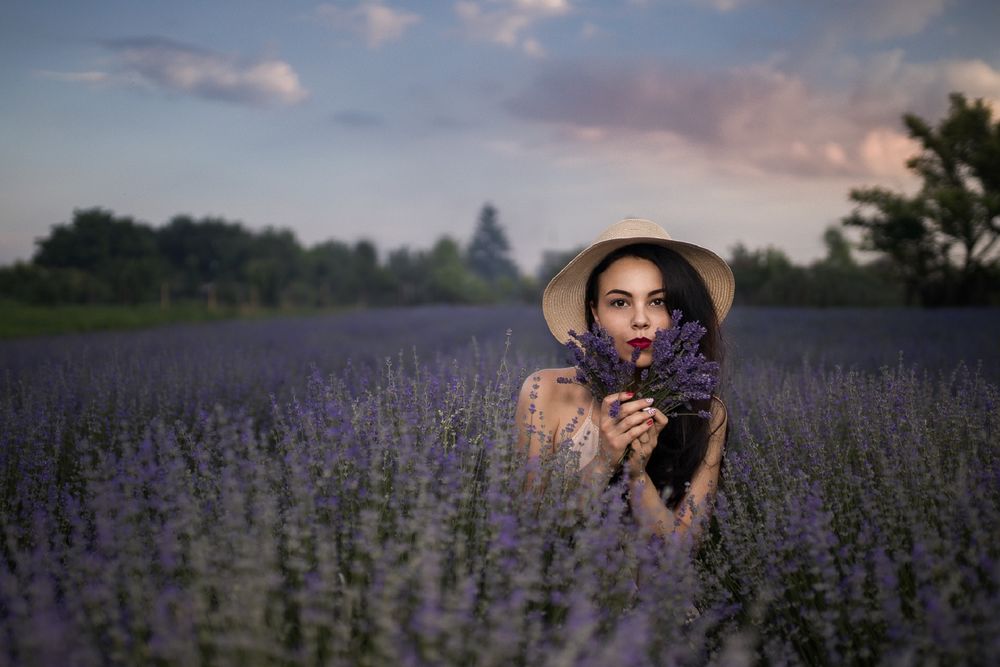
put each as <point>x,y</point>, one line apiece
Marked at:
<point>615,302</point>
<point>658,302</point>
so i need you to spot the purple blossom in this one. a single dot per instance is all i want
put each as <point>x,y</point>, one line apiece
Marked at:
<point>678,376</point>
<point>598,366</point>
<point>158,505</point>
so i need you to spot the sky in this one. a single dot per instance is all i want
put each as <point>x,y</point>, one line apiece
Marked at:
<point>724,121</point>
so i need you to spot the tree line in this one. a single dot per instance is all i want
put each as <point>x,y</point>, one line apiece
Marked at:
<point>100,257</point>
<point>936,247</point>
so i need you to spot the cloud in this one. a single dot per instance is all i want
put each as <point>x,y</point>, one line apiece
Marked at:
<point>168,65</point>
<point>376,22</point>
<point>589,30</point>
<point>74,77</point>
<point>505,22</point>
<point>358,119</point>
<point>873,19</point>
<point>884,85</point>
<point>533,47</point>
<point>883,150</point>
<point>722,5</point>
<point>885,19</point>
<point>754,116</point>
<point>443,121</point>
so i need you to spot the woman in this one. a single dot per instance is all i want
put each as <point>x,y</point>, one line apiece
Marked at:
<point>629,280</point>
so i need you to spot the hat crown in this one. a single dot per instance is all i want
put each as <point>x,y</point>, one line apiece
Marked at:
<point>633,227</point>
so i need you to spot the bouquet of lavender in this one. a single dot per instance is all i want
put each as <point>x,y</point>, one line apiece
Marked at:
<point>679,374</point>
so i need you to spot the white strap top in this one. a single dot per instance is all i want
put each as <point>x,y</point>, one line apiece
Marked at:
<point>584,440</point>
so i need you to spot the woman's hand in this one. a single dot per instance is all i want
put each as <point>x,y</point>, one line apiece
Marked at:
<point>643,446</point>
<point>637,424</point>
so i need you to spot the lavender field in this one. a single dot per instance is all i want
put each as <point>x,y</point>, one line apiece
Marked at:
<point>343,490</point>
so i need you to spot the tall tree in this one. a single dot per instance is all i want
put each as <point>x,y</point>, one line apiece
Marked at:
<point>488,253</point>
<point>275,260</point>
<point>943,240</point>
<point>449,280</point>
<point>118,251</point>
<point>765,276</point>
<point>202,252</point>
<point>409,274</point>
<point>838,248</point>
<point>331,272</point>
<point>372,282</point>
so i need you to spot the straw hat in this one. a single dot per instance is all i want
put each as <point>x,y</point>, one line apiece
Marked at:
<point>564,297</point>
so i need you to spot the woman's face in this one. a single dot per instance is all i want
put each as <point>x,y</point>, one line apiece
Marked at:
<point>630,305</point>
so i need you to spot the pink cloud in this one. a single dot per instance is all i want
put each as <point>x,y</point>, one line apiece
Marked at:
<point>757,116</point>
<point>376,22</point>
<point>167,65</point>
<point>506,22</point>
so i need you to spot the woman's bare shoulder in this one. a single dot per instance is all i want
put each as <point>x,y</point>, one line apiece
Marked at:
<point>558,403</point>
<point>548,378</point>
<point>544,383</point>
<point>550,374</point>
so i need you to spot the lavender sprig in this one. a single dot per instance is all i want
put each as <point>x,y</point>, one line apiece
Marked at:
<point>598,366</point>
<point>678,375</point>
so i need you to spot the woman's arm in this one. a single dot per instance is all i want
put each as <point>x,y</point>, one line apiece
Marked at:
<point>528,417</point>
<point>634,425</point>
<point>594,477</point>
<point>648,507</point>
<point>538,394</point>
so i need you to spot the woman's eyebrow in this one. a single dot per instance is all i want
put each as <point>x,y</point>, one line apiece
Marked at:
<point>621,291</point>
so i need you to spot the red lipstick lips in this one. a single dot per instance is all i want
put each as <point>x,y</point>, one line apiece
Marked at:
<point>641,343</point>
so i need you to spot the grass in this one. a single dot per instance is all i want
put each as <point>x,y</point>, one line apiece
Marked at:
<point>22,321</point>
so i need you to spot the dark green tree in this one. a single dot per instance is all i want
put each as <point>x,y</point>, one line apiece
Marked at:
<point>117,251</point>
<point>839,280</point>
<point>331,272</point>
<point>29,283</point>
<point>409,272</point>
<point>488,253</point>
<point>374,283</point>
<point>206,252</point>
<point>274,262</point>
<point>838,248</point>
<point>449,279</point>
<point>942,241</point>
<point>765,276</point>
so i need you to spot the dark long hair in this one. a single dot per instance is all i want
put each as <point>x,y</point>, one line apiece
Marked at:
<point>683,444</point>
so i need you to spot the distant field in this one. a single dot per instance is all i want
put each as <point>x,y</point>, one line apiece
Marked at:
<point>343,489</point>
<point>19,321</point>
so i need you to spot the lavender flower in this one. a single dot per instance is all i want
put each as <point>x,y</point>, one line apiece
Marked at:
<point>198,491</point>
<point>598,366</point>
<point>678,376</point>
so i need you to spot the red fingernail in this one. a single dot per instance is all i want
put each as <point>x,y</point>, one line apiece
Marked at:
<point>629,394</point>
<point>649,421</point>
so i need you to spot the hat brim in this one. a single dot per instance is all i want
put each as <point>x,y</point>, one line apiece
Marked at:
<point>563,300</point>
